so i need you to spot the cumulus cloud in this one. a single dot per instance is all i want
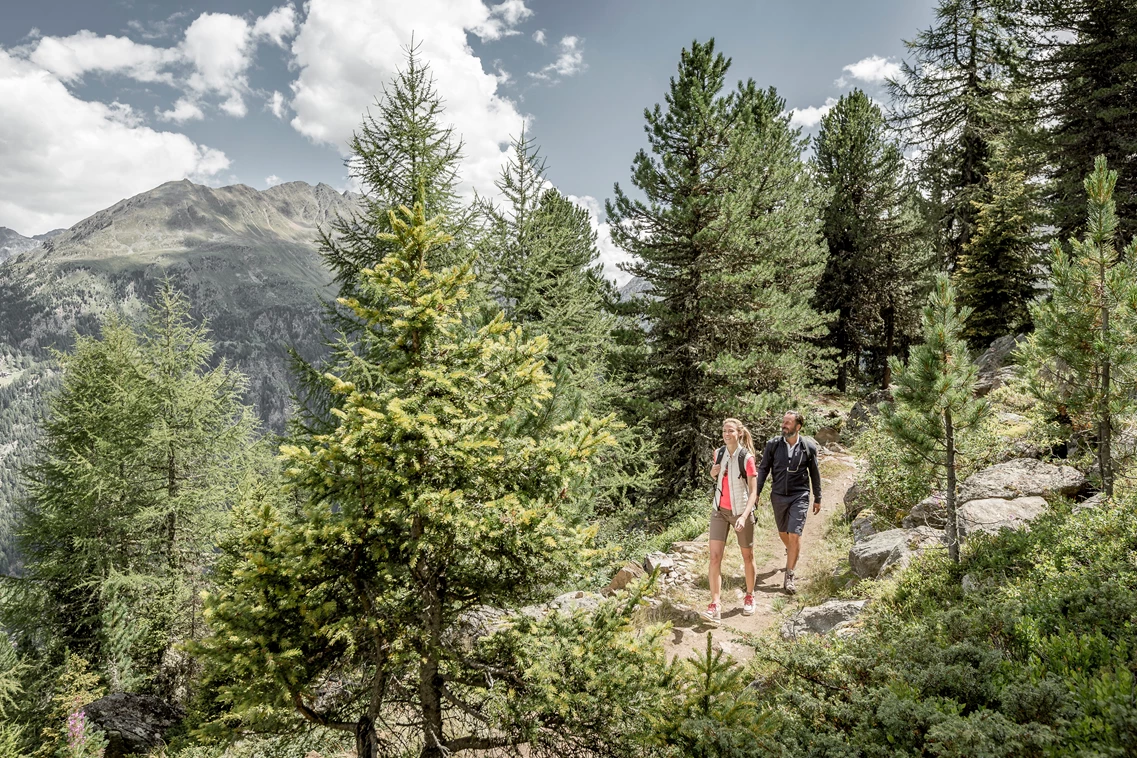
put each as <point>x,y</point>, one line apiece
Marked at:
<point>610,256</point>
<point>71,57</point>
<point>501,20</point>
<point>569,62</point>
<point>272,180</point>
<point>276,104</point>
<point>346,50</point>
<point>86,156</point>
<point>278,25</point>
<point>539,37</point>
<point>811,116</point>
<point>872,70</point>
<point>184,110</point>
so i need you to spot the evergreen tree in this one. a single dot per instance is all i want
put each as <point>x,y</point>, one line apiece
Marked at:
<point>935,403</point>
<point>999,269</point>
<point>731,262</point>
<point>540,262</point>
<point>875,261</point>
<point>142,451</point>
<point>421,506</point>
<point>948,102</point>
<point>1083,57</point>
<point>1082,353</point>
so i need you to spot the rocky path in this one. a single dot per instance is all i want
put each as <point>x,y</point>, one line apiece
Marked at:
<point>682,600</point>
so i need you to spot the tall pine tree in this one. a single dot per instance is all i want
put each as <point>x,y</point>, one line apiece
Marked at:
<point>876,256</point>
<point>731,261</point>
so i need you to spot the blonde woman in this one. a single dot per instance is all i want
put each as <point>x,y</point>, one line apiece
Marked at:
<point>736,492</point>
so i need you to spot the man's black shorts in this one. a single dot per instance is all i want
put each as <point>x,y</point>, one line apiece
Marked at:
<point>790,511</point>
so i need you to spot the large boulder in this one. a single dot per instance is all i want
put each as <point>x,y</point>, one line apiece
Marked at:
<point>931,511</point>
<point>864,410</point>
<point>822,619</point>
<point>888,551</point>
<point>1021,477</point>
<point>133,723</point>
<point>995,513</point>
<point>864,526</point>
<point>570,602</point>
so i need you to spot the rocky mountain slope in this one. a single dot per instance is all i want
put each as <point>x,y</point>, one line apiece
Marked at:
<point>13,243</point>
<point>247,260</point>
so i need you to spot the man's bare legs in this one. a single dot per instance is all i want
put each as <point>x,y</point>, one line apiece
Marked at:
<point>793,548</point>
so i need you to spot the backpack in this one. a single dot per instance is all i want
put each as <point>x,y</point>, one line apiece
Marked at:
<point>742,453</point>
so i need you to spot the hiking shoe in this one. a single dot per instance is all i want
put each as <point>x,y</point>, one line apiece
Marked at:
<point>748,606</point>
<point>713,613</point>
<point>788,584</point>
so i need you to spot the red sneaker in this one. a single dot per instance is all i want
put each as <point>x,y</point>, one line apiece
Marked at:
<point>713,613</point>
<point>748,606</point>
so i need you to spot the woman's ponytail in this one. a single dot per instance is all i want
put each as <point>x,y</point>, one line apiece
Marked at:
<point>744,437</point>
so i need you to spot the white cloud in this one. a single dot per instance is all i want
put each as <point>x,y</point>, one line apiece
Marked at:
<point>85,157</point>
<point>610,255</point>
<point>873,70</point>
<point>71,57</point>
<point>276,104</point>
<point>272,180</point>
<point>811,116</point>
<point>569,62</point>
<point>219,46</point>
<point>539,37</point>
<point>346,50</point>
<point>278,25</point>
<point>501,19</point>
<point>184,110</point>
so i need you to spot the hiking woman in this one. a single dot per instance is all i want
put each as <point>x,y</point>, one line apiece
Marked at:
<point>736,492</point>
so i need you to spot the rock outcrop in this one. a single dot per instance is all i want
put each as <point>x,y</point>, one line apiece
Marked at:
<point>830,616</point>
<point>132,723</point>
<point>993,514</point>
<point>865,410</point>
<point>994,367</point>
<point>888,551</point>
<point>1021,477</point>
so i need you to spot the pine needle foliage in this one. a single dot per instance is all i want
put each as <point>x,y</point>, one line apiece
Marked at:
<point>421,505</point>
<point>1082,357</point>
<point>935,403</point>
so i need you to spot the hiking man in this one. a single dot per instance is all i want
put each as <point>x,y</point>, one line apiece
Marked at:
<point>735,496</point>
<point>791,462</point>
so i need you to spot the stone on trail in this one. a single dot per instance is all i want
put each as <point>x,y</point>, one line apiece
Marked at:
<point>827,435</point>
<point>993,514</point>
<point>891,550</point>
<point>132,723</point>
<point>625,576</point>
<point>661,561</point>
<point>822,619</point>
<point>1021,477</point>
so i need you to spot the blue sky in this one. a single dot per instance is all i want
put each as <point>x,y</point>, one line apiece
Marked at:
<point>103,100</point>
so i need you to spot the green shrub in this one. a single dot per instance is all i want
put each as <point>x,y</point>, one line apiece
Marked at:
<point>888,485</point>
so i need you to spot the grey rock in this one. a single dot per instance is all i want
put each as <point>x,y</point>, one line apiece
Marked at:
<point>931,511</point>
<point>1091,503</point>
<point>1021,477</point>
<point>863,526</point>
<point>830,616</point>
<point>133,723</point>
<point>661,561</point>
<point>891,550</point>
<point>852,507</point>
<point>570,602</point>
<point>993,514</point>
<point>827,435</point>
<point>865,409</point>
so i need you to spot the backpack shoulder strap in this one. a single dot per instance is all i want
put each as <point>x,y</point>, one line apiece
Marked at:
<point>719,454</point>
<point>742,454</point>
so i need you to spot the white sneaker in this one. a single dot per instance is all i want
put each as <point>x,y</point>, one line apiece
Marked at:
<point>713,613</point>
<point>788,585</point>
<point>748,606</point>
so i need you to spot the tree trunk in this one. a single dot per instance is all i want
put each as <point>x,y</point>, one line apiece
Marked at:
<point>366,744</point>
<point>1105,425</point>
<point>949,461</point>
<point>889,345</point>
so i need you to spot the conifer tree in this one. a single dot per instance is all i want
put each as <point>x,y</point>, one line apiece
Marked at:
<point>875,262</point>
<point>540,262</point>
<point>1083,55</point>
<point>947,102</point>
<point>142,452</point>
<point>1081,354</point>
<point>731,262</point>
<point>935,403</point>
<point>420,506</point>
<point>999,268</point>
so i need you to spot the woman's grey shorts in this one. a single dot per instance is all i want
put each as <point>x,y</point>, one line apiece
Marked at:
<point>790,512</point>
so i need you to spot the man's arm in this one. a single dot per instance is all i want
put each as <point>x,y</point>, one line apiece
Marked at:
<point>764,469</point>
<point>815,476</point>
